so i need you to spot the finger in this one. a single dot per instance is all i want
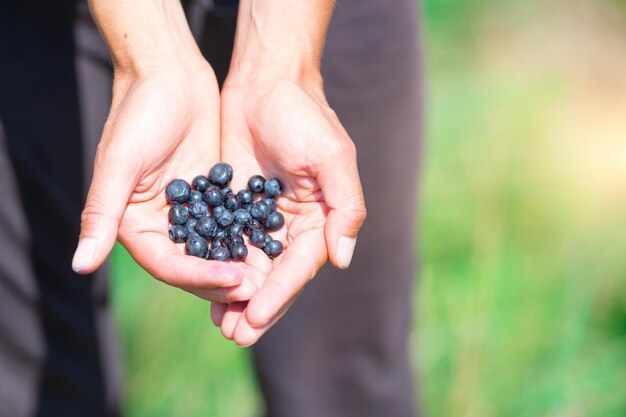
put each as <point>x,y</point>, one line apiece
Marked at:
<point>252,279</point>
<point>241,292</point>
<point>231,316</point>
<point>217,313</point>
<point>245,335</point>
<point>343,195</point>
<point>111,187</point>
<point>299,263</point>
<point>164,261</point>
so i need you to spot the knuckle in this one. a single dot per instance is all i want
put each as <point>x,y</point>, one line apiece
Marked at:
<point>92,216</point>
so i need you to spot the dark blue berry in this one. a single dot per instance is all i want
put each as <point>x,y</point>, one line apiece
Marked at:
<point>271,203</point>
<point>201,183</point>
<point>195,196</point>
<point>198,209</point>
<point>217,211</point>
<point>178,191</point>
<point>242,216</point>
<point>232,203</point>
<point>256,184</point>
<point>178,214</point>
<point>257,238</point>
<point>196,246</point>
<point>245,197</point>
<point>225,218</point>
<point>273,248</point>
<point>235,229</point>
<point>221,174</point>
<point>273,187</point>
<point>191,226</point>
<point>234,240</point>
<point>274,221</point>
<point>259,211</point>
<point>213,196</point>
<point>220,254</point>
<point>217,242</point>
<point>221,233</point>
<point>251,226</point>
<point>206,227</point>
<point>227,191</point>
<point>178,234</point>
<point>238,252</point>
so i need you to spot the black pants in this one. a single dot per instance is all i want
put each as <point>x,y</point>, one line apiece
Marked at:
<point>342,350</point>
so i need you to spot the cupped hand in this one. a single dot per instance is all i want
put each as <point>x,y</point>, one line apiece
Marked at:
<point>288,131</point>
<point>162,126</point>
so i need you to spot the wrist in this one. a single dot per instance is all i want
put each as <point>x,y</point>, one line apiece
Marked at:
<point>279,41</point>
<point>146,36</point>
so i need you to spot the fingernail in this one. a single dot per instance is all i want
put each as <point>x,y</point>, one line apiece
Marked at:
<point>345,250</point>
<point>84,255</point>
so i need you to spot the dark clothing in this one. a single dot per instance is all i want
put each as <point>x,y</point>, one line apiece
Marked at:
<point>342,350</point>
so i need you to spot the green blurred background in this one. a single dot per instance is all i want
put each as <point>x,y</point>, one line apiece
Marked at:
<point>521,293</point>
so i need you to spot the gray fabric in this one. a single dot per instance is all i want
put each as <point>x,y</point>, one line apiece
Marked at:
<point>58,351</point>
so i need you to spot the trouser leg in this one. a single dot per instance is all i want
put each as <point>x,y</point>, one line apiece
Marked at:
<point>57,349</point>
<point>342,349</point>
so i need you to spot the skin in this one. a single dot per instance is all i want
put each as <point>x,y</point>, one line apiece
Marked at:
<point>274,121</point>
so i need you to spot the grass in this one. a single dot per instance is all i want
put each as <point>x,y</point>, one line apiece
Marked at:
<point>521,299</point>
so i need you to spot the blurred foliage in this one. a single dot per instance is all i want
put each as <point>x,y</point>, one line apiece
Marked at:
<point>521,302</point>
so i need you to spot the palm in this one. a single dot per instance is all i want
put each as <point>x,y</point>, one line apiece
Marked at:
<point>169,130</point>
<point>277,138</point>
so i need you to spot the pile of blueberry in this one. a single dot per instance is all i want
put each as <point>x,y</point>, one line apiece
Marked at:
<point>211,220</point>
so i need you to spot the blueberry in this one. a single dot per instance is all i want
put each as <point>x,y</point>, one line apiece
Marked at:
<point>221,174</point>
<point>238,252</point>
<point>273,187</point>
<point>259,211</point>
<point>235,229</point>
<point>273,248</point>
<point>217,211</point>
<point>213,196</point>
<point>221,233</point>
<point>252,226</point>
<point>195,196</point>
<point>271,203</point>
<point>274,221</point>
<point>220,254</point>
<point>232,202</point>
<point>234,240</point>
<point>217,242</point>
<point>245,197</point>
<point>242,216</point>
<point>178,234</point>
<point>256,184</point>
<point>225,218</point>
<point>227,191</point>
<point>178,191</point>
<point>178,214</point>
<point>201,183</point>
<point>196,246</point>
<point>191,226</point>
<point>257,238</point>
<point>198,209</point>
<point>206,227</point>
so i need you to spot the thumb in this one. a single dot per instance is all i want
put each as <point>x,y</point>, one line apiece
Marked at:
<point>338,177</point>
<point>109,192</point>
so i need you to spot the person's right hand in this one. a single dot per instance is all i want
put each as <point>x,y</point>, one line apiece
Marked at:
<point>162,125</point>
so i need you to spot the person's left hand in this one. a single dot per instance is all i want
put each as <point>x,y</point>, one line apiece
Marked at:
<point>288,131</point>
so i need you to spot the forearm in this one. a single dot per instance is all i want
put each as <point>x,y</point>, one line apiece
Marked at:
<point>144,36</point>
<point>279,39</point>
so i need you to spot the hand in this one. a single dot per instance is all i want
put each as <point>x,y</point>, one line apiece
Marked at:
<point>162,125</point>
<point>289,132</point>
